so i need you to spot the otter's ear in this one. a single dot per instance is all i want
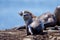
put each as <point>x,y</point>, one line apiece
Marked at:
<point>20,13</point>
<point>33,16</point>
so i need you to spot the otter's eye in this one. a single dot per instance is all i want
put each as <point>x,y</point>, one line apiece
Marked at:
<point>26,15</point>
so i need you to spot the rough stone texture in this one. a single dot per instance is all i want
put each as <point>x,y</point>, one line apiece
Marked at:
<point>21,35</point>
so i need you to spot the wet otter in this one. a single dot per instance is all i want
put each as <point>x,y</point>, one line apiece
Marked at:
<point>28,18</point>
<point>57,14</point>
<point>37,24</point>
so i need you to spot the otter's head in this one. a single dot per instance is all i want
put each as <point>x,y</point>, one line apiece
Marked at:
<point>57,14</point>
<point>26,15</point>
<point>57,10</point>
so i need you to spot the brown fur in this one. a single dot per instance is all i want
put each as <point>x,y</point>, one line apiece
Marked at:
<point>44,17</point>
<point>57,14</point>
<point>48,17</point>
<point>27,19</point>
<point>33,16</point>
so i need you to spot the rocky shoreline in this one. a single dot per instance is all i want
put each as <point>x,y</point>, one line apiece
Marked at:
<point>21,35</point>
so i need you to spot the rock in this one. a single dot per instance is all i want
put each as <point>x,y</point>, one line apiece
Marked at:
<point>21,35</point>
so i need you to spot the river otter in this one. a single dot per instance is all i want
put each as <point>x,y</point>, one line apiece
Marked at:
<point>57,14</point>
<point>28,18</point>
<point>37,24</point>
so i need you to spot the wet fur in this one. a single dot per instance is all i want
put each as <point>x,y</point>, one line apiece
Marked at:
<point>57,14</point>
<point>48,19</point>
<point>44,18</point>
<point>28,21</point>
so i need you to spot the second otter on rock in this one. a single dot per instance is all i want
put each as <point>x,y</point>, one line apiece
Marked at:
<point>57,14</point>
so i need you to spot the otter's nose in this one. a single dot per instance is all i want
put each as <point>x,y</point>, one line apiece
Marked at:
<point>24,15</point>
